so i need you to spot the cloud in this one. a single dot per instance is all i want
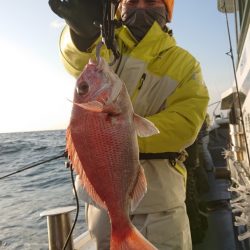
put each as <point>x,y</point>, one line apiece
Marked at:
<point>57,24</point>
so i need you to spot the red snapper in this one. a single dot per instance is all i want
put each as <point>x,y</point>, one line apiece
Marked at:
<point>103,149</point>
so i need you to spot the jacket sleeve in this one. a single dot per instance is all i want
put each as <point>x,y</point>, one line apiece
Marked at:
<point>181,120</point>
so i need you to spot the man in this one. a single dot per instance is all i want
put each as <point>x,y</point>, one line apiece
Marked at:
<point>166,86</point>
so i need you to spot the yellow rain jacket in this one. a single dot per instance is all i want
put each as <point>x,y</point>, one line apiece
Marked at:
<point>166,86</point>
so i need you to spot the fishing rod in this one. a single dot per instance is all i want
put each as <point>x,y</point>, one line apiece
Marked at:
<point>230,53</point>
<point>68,165</point>
<point>108,29</point>
<point>33,165</point>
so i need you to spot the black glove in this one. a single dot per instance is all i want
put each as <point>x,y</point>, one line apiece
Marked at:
<point>80,15</point>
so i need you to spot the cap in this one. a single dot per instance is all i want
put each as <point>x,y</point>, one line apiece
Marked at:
<point>170,6</point>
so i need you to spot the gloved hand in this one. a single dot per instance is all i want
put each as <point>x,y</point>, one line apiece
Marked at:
<point>80,15</point>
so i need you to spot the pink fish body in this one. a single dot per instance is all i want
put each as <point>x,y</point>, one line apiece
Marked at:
<point>102,146</point>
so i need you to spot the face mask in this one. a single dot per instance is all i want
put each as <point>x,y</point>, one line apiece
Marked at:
<point>140,20</point>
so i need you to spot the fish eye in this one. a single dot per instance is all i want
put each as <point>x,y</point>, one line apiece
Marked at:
<point>82,88</point>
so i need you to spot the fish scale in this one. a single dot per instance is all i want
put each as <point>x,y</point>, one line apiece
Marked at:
<point>104,147</point>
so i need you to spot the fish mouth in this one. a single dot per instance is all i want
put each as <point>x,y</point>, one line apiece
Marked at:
<point>93,61</point>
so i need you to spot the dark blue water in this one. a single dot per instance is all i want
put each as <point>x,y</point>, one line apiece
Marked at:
<point>25,195</point>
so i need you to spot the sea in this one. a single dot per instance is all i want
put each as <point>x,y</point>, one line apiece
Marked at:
<point>24,195</point>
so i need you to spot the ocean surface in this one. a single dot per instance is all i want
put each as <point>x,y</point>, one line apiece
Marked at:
<point>25,195</point>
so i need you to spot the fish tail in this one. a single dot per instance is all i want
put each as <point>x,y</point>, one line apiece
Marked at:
<point>131,239</point>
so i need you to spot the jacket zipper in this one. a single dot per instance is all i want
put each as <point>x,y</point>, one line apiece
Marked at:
<point>143,77</point>
<point>139,86</point>
<point>120,59</point>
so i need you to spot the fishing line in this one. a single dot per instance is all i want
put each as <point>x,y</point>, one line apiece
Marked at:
<point>217,105</point>
<point>77,210</point>
<point>214,103</point>
<point>214,110</point>
<point>230,53</point>
<point>33,165</point>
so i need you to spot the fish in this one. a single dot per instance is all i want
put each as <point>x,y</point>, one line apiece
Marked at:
<point>101,141</point>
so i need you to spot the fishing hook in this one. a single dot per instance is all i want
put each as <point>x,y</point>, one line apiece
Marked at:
<point>98,53</point>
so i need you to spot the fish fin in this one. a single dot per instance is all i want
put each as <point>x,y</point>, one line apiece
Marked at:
<point>77,166</point>
<point>129,238</point>
<point>139,190</point>
<point>144,127</point>
<point>82,192</point>
<point>94,106</point>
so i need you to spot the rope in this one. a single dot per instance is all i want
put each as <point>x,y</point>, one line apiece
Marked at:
<point>230,53</point>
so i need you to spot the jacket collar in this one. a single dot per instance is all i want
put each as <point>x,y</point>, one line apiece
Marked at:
<point>152,44</point>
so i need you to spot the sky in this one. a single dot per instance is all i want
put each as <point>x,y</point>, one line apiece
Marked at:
<point>34,86</point>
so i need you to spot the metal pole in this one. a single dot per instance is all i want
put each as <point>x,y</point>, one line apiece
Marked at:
<point>59,226</point>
